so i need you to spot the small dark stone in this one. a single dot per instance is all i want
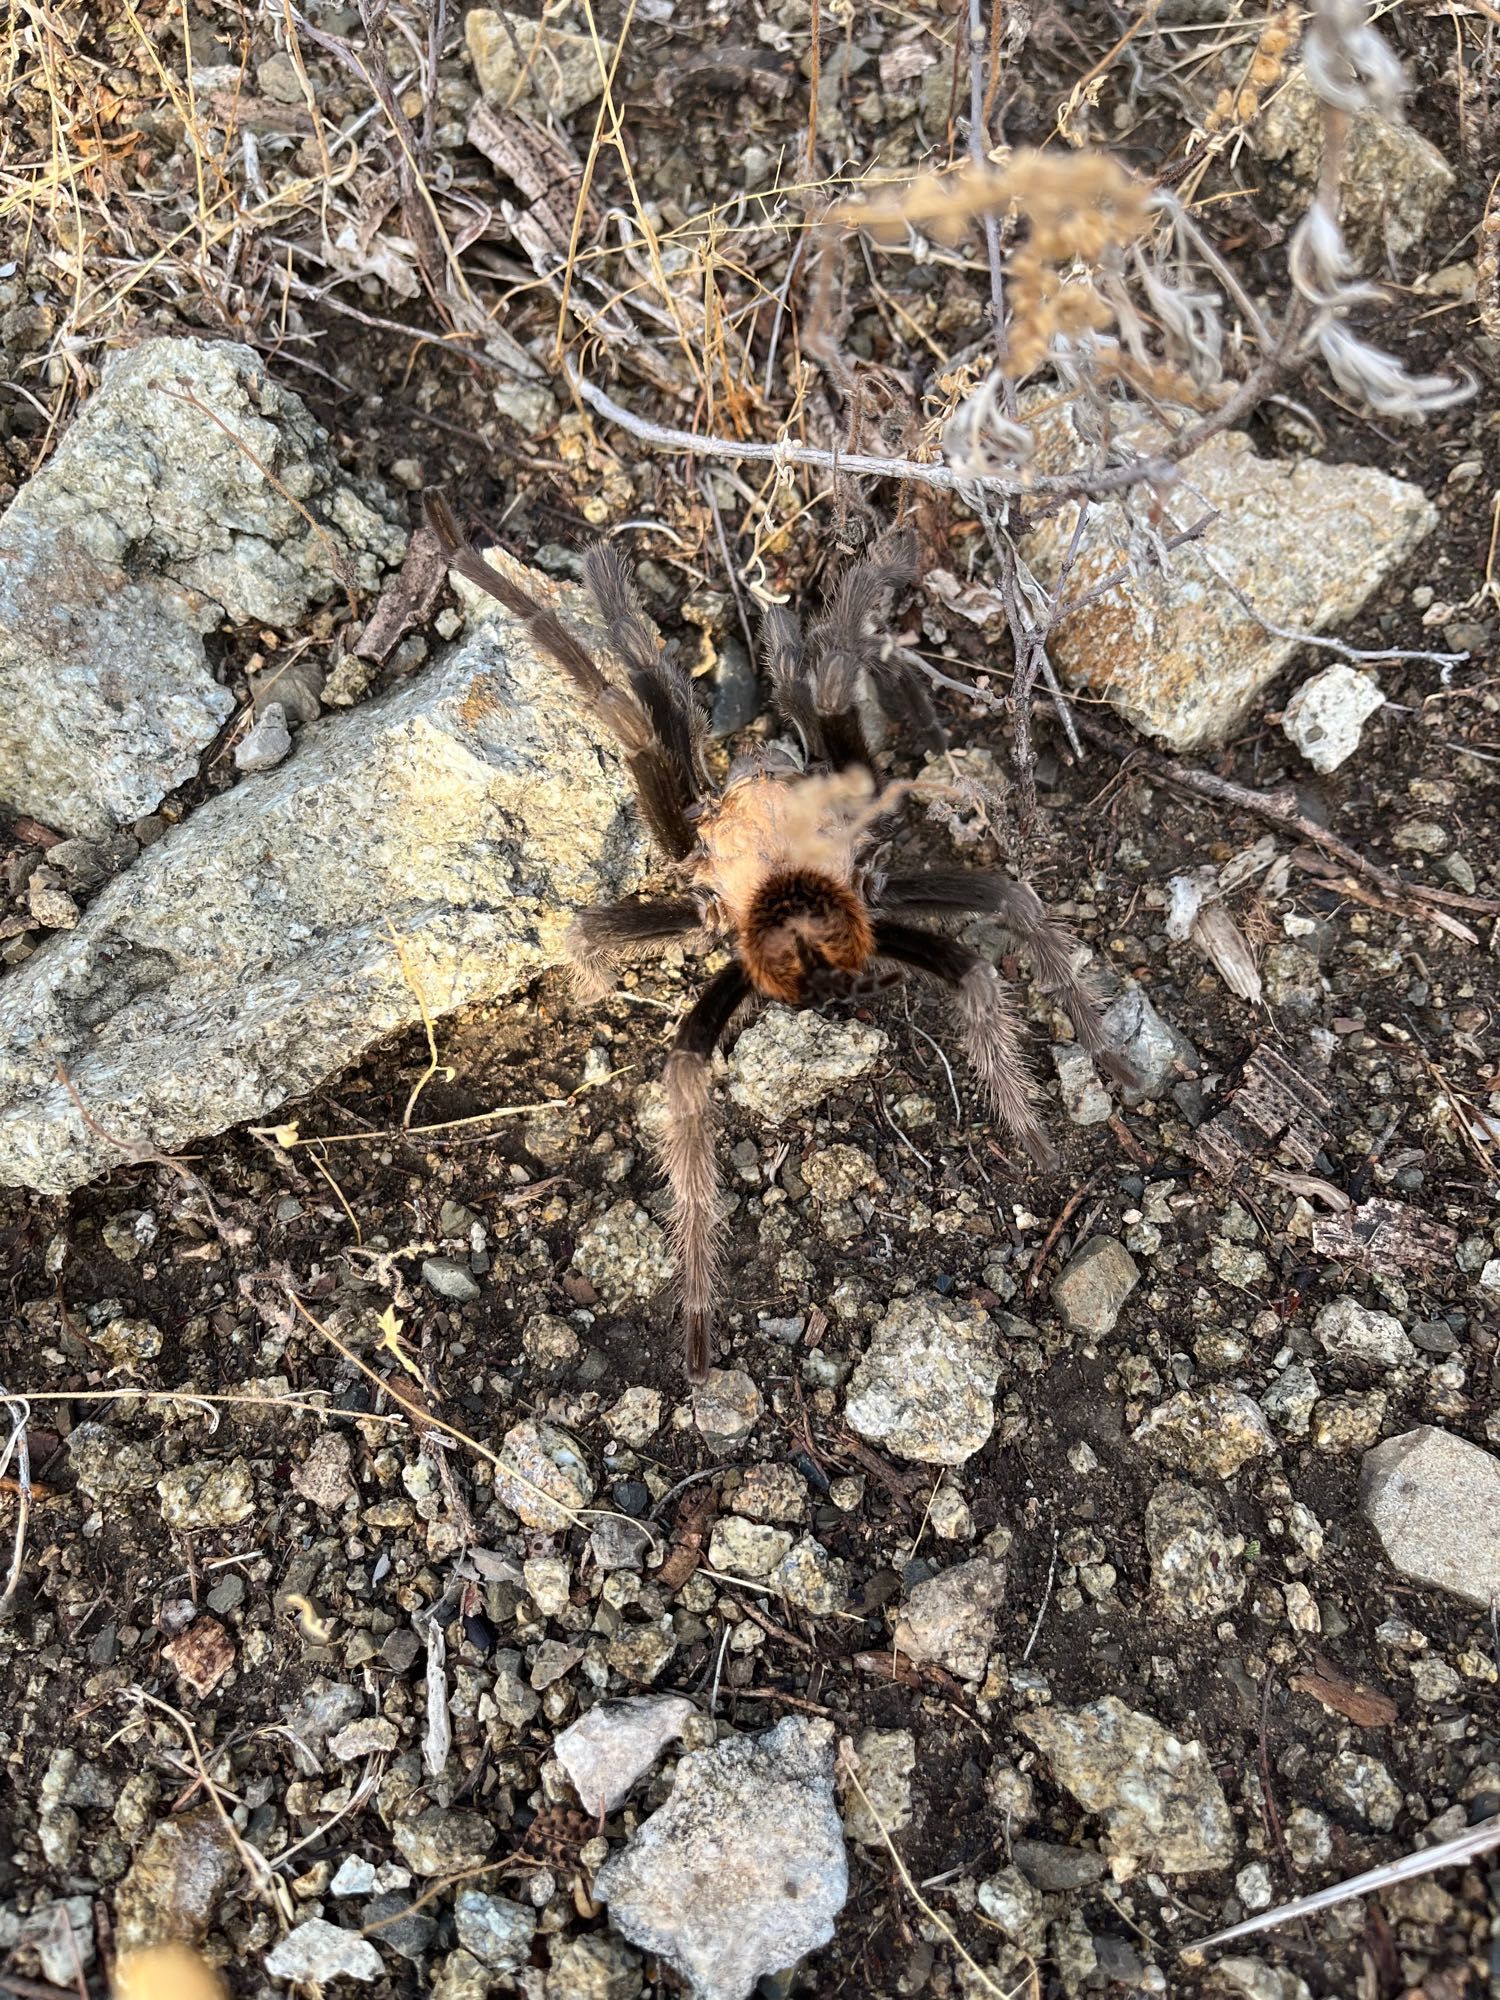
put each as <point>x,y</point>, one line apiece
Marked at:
<point>1053,1869</point>
<point>632,1497</point>
<point>1435,1336</point>
<point>811,1471</point>
<point>384,1918</point>
<point>478,1631</point>
<point>400,1648</point>
<point>737,697</point>
<point>1483,1806</point>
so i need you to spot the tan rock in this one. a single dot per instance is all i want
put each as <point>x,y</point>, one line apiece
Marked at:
<point>1178,655</point>
<point>1393,181</point>
<point>559,76</point>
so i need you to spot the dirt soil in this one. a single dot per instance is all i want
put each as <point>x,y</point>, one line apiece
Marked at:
<point>318,1575</point>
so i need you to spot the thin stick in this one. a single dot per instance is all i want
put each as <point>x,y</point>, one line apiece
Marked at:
<point>16,1446</point>
<point>1410,1868</point>
<point>921,1901</point>
<point>814,80</point>
<point>1281,809</point>
<point>1041,1610</point>
<point>1060,486</point>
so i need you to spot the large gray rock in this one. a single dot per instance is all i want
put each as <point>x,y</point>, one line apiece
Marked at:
<point>1434,1501</point>
<point>1178,655</point>
<point>433,841</point>
<point>156,520</point>
<point>743,1870</point>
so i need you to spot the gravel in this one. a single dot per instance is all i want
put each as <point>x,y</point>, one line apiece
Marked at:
<point>1195,1568</point>
<point>1213,1432</point>
<point>786,1063</point>
<point>1326,716</point>
<point>881,1805</point>
<point>1354,1333</point>
<point>495,1930</point>
<point>442,1842</point>
<point>542,1475</point>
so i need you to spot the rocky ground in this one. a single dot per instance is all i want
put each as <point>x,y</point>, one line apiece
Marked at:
<point>1057,1568</point>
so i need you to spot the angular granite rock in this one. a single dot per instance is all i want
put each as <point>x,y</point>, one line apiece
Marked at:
<point>1178,655</point>
<point>437,839</point>
<point>190,490</point>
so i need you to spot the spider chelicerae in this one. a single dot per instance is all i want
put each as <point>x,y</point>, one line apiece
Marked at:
<point>778,864</point>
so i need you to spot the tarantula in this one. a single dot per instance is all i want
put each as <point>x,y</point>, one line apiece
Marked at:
<point>778,865</point>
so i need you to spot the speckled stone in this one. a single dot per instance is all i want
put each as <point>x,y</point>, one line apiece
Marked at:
<point>925,1386</point>
<point>207,1493</point>
<point>1195,1569</point>
<point>608,1750</point>
<point>813,1580</point>
<point>884,1762</point>
<point>543,1475</point>
<point>746,1548</point>
<point>1178,657</point>
<point>950,1618</point>
<point>788,1061</point>
<point>1161,1803</point>
<point>625,1257</point>
<point>1212,1431</point>
<point>763,1807</point>
<point>1091,1289</point>
<point>1434,1501</point>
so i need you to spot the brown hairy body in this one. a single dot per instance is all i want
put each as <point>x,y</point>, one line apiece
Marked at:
<point>775,866</point>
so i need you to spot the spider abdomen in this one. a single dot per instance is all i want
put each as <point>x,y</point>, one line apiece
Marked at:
<point>801,924</point>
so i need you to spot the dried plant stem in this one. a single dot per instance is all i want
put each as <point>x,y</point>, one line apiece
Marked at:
<point>933,1917</point>
<point>1281,809</point>
<point>1055,488</point>
<point>16,1447</point>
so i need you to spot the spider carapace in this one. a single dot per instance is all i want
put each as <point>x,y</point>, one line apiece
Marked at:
<point>778,866</point>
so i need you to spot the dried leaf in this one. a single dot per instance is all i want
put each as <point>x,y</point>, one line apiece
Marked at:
<point>1225,945</point>
<point>1360,1705</point>
<point>1312,1187</point>
<point>1384,1236</point>
<point>438,1738</point>
<point>694,1513</point>
<point>1275,1109</point>
<point>203,1654</point>
<point>407,600</point>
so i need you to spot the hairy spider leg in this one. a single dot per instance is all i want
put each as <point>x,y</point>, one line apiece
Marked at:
<point>602,940</point>
<point>666,782</point>
<point>690,1162</point>
<point>1052,952</point>
<point>987,1020</point>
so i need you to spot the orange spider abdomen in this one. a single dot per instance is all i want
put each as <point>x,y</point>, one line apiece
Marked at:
<point>801,923</point>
